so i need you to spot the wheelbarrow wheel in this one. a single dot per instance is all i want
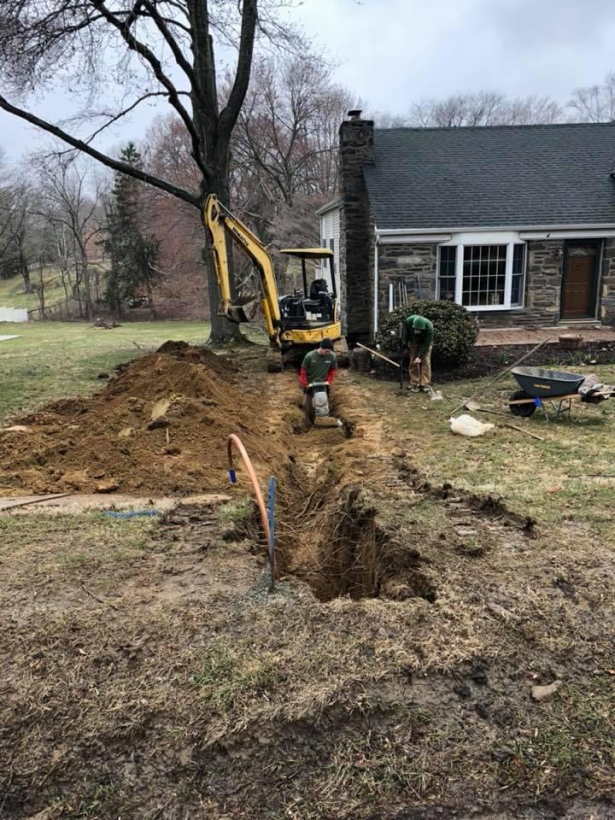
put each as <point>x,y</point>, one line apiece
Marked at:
<point>525,410</point>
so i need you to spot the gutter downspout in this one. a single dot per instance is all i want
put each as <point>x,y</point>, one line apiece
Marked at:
<point>376,285</point>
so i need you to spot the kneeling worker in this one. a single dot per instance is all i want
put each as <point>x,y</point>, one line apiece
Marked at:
<point>318,366</point>
<point>418,336</point>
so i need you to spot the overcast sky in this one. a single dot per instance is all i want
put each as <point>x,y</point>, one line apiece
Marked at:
<point>393,52</point>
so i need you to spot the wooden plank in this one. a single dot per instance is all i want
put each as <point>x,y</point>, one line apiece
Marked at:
<point>606,394</point>
<point>23,501</point>
<point>548,398</point>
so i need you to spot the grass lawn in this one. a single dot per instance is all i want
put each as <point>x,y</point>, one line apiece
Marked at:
<point>58,359</point>
<point>149,673</point>
<point>567,480</point>
<point>12,293</point>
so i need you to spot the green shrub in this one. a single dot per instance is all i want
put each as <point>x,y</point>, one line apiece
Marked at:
<point>455,330</point>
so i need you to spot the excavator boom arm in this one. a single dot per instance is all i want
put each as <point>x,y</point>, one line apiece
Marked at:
<point>220,222</point>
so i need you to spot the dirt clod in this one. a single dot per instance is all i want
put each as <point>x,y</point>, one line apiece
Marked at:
<point>543,692</point>
<point>108,486</point>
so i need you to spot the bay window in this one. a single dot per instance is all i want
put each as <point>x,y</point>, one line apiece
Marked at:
<point>482,276</point>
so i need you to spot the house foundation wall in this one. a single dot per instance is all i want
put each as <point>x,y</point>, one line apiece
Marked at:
<point>415,265</point>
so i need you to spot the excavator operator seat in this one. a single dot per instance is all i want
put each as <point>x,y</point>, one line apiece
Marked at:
<point>317,287</point>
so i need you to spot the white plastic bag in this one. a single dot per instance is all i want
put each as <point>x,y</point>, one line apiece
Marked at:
<point>468,426</point>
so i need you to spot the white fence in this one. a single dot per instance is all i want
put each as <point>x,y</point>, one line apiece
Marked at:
<point>13,314</point>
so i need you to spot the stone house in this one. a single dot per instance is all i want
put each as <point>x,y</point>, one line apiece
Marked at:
<point>517,223</point>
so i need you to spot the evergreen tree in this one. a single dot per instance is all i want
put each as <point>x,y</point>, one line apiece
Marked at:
<point>133,252</point>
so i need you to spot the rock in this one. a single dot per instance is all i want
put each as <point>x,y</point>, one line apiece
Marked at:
<point>76,479</point>
<point>126,432</point>
<point>160,408</point>
<point>543,692</point>
<point>108,486</point>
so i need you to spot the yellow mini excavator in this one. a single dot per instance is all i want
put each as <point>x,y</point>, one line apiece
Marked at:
<point>294,323</point>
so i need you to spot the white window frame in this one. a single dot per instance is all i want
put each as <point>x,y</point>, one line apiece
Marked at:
<point>463,240</point>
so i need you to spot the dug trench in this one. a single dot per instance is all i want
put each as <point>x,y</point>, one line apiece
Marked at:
<point>330,532</point>
<point>341,526</point>
<point>389,675</point>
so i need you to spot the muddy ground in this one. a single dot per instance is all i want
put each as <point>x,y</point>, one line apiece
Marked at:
<point>390,675</point>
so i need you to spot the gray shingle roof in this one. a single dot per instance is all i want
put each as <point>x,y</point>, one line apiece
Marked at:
<point>513,176</point>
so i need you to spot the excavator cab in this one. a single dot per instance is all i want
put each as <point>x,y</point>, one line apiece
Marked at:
<point>315,306</point>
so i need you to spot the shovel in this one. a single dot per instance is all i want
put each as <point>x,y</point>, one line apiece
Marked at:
<point>474,407</point>
<point>434,395</point>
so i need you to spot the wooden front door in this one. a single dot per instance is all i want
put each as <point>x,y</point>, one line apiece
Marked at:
<point>579,285</point>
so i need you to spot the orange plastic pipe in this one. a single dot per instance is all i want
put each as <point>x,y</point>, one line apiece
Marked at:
<point>235,441</point>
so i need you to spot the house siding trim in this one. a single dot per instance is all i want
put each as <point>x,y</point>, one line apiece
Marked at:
<point>607,227</point>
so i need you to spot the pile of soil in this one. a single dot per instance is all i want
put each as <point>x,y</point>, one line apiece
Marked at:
<point>159,426</point>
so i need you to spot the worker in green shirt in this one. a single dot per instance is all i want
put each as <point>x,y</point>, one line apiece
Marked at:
<point>418,337</point>
<point>319,365</point>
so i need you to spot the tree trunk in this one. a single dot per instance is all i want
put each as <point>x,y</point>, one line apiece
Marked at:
<point>150,299</point>
<point>222,331</point>
<point>87,285</point>
<point>24,269</point>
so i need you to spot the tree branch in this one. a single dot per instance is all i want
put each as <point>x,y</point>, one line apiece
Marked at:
<point>116,165</point>
<point>114,118</point>
<point>140,48</point>
<point>173,44</point>
<point>249,19</point>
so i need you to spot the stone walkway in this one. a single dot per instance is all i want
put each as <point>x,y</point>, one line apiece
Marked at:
<point>497,337</point>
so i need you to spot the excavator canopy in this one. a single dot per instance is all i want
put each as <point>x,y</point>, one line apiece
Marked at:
<point>308,253</point>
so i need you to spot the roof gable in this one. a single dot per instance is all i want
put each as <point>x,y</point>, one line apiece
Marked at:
<point>504,176</point>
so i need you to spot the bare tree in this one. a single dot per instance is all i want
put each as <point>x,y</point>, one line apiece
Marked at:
<point>158,50</point>
<point>286,136</point>
<point>69,195</point>
<point>39,286</point>
<point>484,108</point>
<point>15,232</point>
<point>595,103</point>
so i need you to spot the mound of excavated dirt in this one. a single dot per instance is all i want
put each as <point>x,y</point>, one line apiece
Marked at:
<point>160,426</point>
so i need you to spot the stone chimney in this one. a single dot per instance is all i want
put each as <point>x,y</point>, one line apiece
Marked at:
<point>356,229</point>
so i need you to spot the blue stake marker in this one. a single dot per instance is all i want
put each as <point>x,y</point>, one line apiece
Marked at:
<point>272,531</point>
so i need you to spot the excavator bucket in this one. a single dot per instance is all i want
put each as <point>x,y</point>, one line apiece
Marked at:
<point>242,309</point>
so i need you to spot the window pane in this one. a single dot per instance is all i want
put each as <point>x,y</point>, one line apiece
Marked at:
<point>484,275</point>
<point>518,258</point>
<point>446,284</point>
<point>517,292</point>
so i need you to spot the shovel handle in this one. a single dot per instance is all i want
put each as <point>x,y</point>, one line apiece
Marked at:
<point>375,353</point>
